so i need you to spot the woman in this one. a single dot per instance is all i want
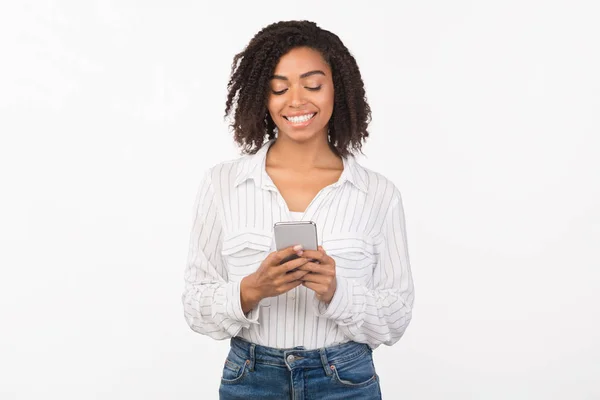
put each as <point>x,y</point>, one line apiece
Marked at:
<point>305,329</point>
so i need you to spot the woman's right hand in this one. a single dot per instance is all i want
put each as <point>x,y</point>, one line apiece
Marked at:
<point>272,279</point>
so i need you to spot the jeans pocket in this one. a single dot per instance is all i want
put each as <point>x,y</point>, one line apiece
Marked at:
<point>234,370</point>
<point>356,372</point>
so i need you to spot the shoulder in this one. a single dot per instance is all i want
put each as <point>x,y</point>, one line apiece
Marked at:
<point>377,184</point>
<point>223,173</point>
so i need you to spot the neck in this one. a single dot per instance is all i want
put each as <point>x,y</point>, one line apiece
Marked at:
<point>312,153</point>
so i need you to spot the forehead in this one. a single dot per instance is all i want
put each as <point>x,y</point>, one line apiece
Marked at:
<point>300,60</point>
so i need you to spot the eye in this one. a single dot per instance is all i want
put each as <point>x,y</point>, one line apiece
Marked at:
<point>314,89</point>
<point>279,92</point>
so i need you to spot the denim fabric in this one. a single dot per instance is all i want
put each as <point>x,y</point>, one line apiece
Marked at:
<point>344,371</point>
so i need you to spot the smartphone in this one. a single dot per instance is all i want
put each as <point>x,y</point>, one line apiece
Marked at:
<point>295,232</point>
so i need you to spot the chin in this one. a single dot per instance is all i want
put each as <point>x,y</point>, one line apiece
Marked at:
<point>300,137</point>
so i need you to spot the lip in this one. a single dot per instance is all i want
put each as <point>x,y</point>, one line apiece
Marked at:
<point>300,124</point>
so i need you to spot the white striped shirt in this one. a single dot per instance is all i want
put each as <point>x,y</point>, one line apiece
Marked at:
<point>360,224</point>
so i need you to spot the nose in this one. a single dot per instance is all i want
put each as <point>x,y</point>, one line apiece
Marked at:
<point>297,98</point>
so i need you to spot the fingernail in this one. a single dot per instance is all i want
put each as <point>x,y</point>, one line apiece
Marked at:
<point>298,247</point>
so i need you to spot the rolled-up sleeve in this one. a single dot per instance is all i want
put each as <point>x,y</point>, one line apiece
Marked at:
<point>211,303</point>
<point>379,314</point>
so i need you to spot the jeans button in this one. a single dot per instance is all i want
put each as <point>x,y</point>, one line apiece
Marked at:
<point>290,358</point>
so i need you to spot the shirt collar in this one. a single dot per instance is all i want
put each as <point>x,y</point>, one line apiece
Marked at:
<point>252,166</point>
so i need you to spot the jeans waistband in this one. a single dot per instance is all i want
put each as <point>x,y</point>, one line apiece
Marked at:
<point>297,357</point>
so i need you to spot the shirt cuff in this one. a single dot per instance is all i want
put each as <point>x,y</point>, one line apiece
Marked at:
<point>346,303</point>
<point>231,307</point>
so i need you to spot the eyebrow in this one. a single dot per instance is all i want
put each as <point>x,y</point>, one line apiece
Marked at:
<point>304,75</point>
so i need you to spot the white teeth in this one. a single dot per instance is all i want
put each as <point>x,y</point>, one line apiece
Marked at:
<point>302,118</point>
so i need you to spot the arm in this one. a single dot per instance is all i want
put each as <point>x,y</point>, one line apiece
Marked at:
<point>379,314</point>
<point>212,305</point>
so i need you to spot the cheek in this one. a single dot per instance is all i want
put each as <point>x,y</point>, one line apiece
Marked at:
<point>274,105</point>
<point>326,100</point>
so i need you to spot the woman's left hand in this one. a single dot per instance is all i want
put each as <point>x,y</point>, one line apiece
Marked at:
<point>321,276</point>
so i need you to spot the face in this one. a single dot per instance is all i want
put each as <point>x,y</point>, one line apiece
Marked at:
<point>300,99</point>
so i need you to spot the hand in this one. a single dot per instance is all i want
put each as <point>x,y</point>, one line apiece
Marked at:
<point>272,279</point>
<point>321,274</point>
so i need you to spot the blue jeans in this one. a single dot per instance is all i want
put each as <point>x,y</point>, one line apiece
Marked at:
<point>344,371</point>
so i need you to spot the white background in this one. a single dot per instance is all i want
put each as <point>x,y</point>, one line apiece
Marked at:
<point>485,115</point>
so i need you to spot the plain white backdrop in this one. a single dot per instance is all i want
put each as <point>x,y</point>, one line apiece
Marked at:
<point>485,115</point>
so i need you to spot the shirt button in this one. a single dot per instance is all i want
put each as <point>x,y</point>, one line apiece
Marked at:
<point>290,358</point>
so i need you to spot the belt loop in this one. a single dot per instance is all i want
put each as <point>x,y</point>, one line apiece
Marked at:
<point>325,361</point>
<point>252,356</point>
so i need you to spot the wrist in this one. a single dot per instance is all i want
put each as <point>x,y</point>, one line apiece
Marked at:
<point>249,295</point>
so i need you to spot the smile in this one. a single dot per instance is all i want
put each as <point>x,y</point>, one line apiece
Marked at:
<point>300,119</point>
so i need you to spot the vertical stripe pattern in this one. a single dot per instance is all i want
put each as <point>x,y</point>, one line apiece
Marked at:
<point>360,224</point>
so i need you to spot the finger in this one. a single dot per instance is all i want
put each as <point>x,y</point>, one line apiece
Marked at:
<point>326,258</point>
<point>316,278</point>
<point>293,264</point>
<point>323,269</point>
<point>313,278</point>
<point>313,254</point>
<point>316,287</point>
<point>294,276</point>
<point>278,256</point>
<point>286,287</point>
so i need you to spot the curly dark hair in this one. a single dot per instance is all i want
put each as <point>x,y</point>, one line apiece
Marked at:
<point>253,68</point>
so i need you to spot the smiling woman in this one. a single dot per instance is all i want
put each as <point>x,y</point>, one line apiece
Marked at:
<point>304,328</point>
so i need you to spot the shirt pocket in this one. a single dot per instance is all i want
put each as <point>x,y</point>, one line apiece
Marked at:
<point>243,251</point>
<point>355,255</point>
